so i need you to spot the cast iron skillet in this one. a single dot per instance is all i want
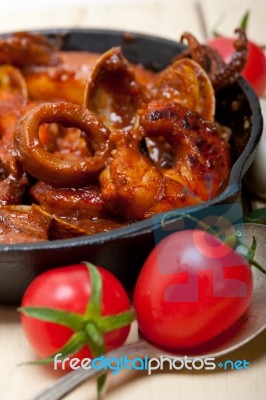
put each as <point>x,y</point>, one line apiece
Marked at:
<point>123,250</point>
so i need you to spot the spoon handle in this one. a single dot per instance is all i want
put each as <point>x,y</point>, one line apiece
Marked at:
<point>69,382</point>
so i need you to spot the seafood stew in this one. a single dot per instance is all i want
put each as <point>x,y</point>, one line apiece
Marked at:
<point>92,142</point>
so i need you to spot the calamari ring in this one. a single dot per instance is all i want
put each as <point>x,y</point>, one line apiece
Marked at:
<point>48,168</point>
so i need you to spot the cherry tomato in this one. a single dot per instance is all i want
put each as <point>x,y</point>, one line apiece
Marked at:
<point>255,68</point>
<point>191,288</point>
<point>69,288</point>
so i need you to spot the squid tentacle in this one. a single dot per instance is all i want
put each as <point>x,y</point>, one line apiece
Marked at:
<point>220,73</point>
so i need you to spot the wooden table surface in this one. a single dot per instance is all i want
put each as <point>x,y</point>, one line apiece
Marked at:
<point>168,18</point>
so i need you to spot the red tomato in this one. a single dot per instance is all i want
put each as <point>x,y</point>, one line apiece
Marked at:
<point>191,288</point>
<point>69,289</point>
<point>255,68</point>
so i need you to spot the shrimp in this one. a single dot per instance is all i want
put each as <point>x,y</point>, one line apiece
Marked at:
<point>133,187</point>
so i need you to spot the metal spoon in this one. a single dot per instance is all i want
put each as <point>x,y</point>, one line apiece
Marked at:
<point>242,332</point>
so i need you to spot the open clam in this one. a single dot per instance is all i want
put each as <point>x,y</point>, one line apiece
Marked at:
<point>57,228</point>
<point>186,82</point>
<point>112,91</point>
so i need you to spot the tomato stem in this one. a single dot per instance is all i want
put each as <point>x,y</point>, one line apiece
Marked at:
<point>244,21</point>
<point>233,239</point>
<point>256,264</point>
<point>109,323</point>
<point>94,305</point>
<point>95,339</point>
<point>100,385</point>
<point>174,214</point>
<point>236,243</point>
<point>66,318</point>
<point>74,344</point>
<point>243,24</point>
<point>96,342</point>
